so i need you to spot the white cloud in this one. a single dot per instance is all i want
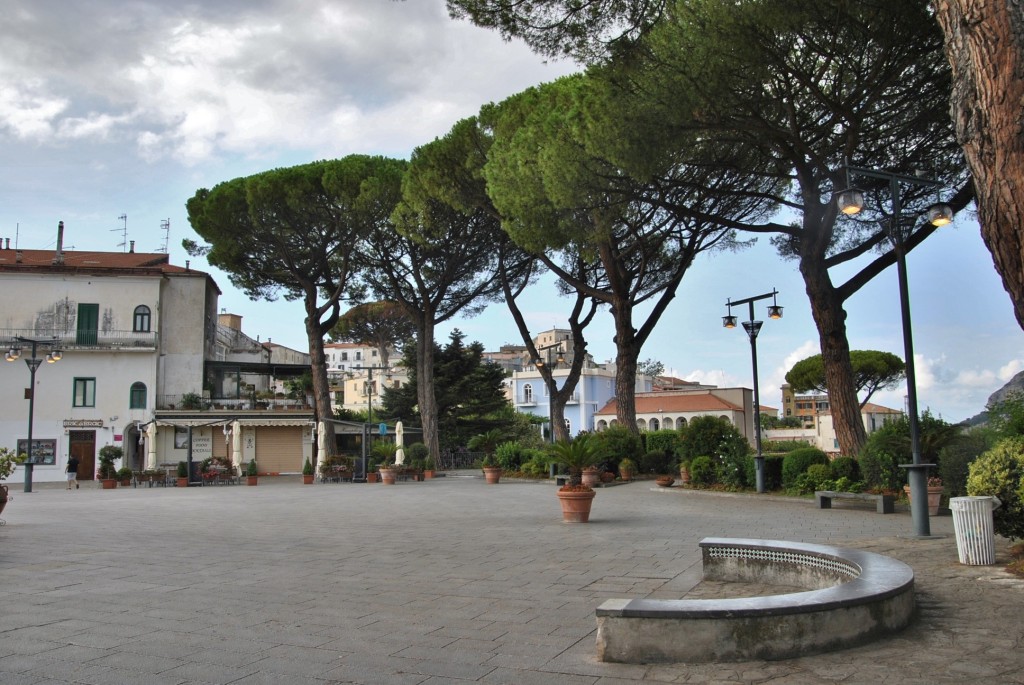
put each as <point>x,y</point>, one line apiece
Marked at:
<point>29,112</point>
<point>718,377</point>
<point>1010,369</point>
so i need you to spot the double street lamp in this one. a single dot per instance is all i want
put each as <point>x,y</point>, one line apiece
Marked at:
<point>850,202</point>
<point>33,363</point>
<point>753,327</point>
<point>540,364</point>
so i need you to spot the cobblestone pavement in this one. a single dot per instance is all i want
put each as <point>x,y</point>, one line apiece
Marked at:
<point>445,581</point>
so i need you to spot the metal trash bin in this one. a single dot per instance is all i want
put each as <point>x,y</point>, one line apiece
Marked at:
<point>972,523</point>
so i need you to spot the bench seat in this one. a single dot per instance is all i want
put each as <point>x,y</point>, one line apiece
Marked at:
<point>884,504</point>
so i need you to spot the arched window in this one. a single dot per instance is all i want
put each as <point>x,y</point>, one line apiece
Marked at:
<point>137,396</point>
<point>641,424</point>
<point>141,319</point>
<point>668,424</point>
<point>654,425</point>
<point>568,427</point>
<point>527,394</point>
<point>681,422</point>
<point>601,425</point>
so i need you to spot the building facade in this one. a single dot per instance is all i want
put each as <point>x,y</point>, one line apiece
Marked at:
<point>674,409</point>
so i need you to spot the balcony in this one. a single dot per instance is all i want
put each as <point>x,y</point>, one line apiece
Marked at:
<point>85,340</point>
<point>528,400</point>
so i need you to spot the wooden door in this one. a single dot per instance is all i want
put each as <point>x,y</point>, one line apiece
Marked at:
<point>82,445</point>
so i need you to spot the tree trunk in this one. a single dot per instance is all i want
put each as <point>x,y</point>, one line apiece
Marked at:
<point>318,369</point>
<point>830,320</point>
<point>985,48</point>
<point>425,385</point>
<point>626,353</point>
<point>558,429</point>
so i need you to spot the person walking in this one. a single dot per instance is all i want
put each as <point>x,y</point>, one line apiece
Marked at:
<point>72,471</point>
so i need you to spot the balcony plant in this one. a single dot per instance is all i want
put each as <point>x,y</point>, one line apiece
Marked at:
<point>251,473</point>
<point>108,472</point>
<point>575,497</point>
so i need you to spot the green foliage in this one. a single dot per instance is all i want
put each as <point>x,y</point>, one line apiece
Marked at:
<point>783,446</point>
<point>124,473</point>
<point>252,469</point>
<point>307,467</point>
<point>299,388</point>
<point>486,442</point>
<point>667,441</point>
<point>845,467</point>
<point>381,324</point>
<point>616,443</point>
<point>418,450</point>
<point>536,466</point>
<point>816,477</point>
<point>110,453</point>
<point>703,472</point>
<point>872,371</point>
<point>8,462</point>
<point>576,455</point>
<point>191,400</point>
<point>510,455</point>
<point>797,462</point>
<point>716,437</point>
<point>627,464</point>
<point>657,462</point>
<point>956,457</point>
<point>428,463</point>
<point>770,422</point>
<point>384,451</point>
<point>772,471</point>
<point>889,446</point>
<point>182,469</point>
<point>1000,472</point>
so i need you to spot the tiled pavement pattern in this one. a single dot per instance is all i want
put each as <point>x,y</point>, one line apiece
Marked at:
<point>445,581</point>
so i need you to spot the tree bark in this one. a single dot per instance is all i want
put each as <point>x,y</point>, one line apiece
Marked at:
<point>626,353</point>
<point>318,369</point>
<point>985,46</point>
<point>425,385</point>
<point>830,320</point>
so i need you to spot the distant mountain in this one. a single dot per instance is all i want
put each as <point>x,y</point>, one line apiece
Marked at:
<point>1015,384</point>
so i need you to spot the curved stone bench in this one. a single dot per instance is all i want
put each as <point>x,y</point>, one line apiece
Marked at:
<point>856,597</point>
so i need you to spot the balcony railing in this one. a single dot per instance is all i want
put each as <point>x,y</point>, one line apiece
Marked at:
<point>84,340</point>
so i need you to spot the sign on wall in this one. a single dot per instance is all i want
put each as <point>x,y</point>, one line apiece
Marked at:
<point>43,451</point>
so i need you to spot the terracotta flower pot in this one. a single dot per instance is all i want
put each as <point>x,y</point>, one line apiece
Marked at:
<point>665,481</point>
<point>625,474</point>
<point>108,483</point>
<point>934,498</point>
<point>3,498</point>
<point>428,474</point>
<point>252,480</point>
<point>307,479</point>
<point>576,505</point>
<point>182,482</point>
<point>492,474</point>
<point>388,476</point>
<point>591,477</point>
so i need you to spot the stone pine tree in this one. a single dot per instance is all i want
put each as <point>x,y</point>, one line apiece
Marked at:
<point>384,325</point>
<point>297,232</point>
<point>873,370</point>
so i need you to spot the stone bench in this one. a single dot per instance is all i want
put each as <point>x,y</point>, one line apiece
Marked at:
<point>884,504</point>
<point>856,597</point>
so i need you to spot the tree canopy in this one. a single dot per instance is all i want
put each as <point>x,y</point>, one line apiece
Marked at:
<point>384,325</point>
<point>873,370</point>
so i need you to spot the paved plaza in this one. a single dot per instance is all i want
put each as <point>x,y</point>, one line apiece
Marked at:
<point>444,581</point>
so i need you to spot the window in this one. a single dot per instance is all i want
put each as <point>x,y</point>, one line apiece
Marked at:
<point>359,355</point>
<point>568,427</point>
<point>344,356</point>
<point>374,353</point>
<point>140,322</point>
<point>527,394</point>
<point>137,396</point>
<point>654,424</point>
<point>85,392</point>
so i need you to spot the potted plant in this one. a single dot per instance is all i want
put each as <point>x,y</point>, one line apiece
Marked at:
<point>251,472</point>
<point>665,481</point>
<point>124,476</point>
<point>575,497</point>
<point>107,472</point>
<point>388,473</point>
<point>371,471</point>
<point>627,469</point>
<point>428,467</point>
<point>385,452</point>
<point>492,472</point>
<point>182,474</point>
<point>8,462</point>
<point>684,472</point>
<point>935,490</point>
<point>591,476</point>
<point>307,472</point>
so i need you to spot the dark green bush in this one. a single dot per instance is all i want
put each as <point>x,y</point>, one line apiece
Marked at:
<point>955,459</point>
<point>657,462</point>
<point>509,455</point>
<point>616,443</point>
<point>816,477</point>
<point>880,467</point>
<point>845,467</point>
<point>717,438</point>
<point>796,462</point>
<point>417,450</point>
<point>667,441</point>
<point>783,446</point>
<point>703,472</point>
<point>772,471</point>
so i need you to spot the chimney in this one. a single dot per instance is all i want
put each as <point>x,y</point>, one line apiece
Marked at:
<point>186,264</point>
<point>8,244</point>
<point>58,256</point>
<point>131,247</point>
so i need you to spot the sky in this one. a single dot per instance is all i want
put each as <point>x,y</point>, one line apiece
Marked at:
<point>113,114</point>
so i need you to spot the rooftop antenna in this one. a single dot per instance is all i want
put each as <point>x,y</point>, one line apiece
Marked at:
<point>165,226</point>
<point>123,231</point>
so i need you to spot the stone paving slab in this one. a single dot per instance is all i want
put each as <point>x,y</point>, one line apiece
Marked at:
<point>444,581</point>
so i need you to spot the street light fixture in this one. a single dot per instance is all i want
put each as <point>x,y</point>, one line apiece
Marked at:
<point>540,364</point>
<point>369,404</point>
<point>753,327</point>
<point>33,363</point>
<point>938,214</point>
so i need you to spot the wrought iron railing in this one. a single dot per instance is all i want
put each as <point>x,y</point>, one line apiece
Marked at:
<point>83,340</point>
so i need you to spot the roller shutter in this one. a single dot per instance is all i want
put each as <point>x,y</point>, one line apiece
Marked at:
<point>279,449</point>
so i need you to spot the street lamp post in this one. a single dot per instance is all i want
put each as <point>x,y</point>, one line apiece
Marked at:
<point>753,327</point>
<point>540,363</point>
<point>369,404</point>
<point>33,363</point>
<point>850,202</point>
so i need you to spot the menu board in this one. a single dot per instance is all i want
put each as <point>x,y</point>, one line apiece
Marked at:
<point>43,451</point>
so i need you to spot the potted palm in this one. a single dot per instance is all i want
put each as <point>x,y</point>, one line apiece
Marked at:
<point>487,443</point>
<point>108,472</point>
<point>385,452</point>
<point>575,497</point>
<point>307,472</point>
<point>251,473</point>
<point>8,462</point>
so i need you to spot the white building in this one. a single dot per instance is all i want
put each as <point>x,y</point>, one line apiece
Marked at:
<point>673,409</point>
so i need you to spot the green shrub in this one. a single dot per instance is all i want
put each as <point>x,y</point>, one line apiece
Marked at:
<point>880,467</point>
<point>717,438</point>
<point>615,443</point>
<point>535,463</point>
<point>667,441</point>
<point>703,472</point>
<point>783,446</point>
<point>1000,472</point>
<point>956,457</point>
<point>124,473</point>
<point>509,455</point>
<point>418,450</point>
<point>656,461</point>
<point>772,471</point>
<point>796,463</point>
<point>845,467</point>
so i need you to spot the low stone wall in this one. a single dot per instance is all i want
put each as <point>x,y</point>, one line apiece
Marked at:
<point>856,597</point>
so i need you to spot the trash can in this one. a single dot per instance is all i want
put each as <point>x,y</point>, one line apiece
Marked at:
<point>972,523</point>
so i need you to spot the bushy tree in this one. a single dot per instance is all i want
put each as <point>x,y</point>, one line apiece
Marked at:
<point>955,460</point>
<point>873,370</point>
<point>715,437</point>
<point>1000,472</point>
<point>797,462</point>
<point>616,443</point>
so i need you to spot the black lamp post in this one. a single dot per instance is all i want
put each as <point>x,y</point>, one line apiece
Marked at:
<point>850,202</point>
<point>753,327</point>
<point>369,404</point>
<point>540,363</point>
<point>33,363</point>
